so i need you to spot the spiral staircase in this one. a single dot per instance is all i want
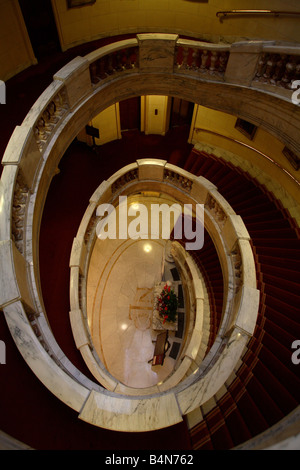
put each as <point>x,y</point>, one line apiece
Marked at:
<point>262,391</point>
<point>243,412</point>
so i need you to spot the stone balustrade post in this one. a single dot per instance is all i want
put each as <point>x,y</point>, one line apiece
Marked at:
<point>242,62</point>
<point>156,52</point>
<point>14,286</point>
<point>76,78</point>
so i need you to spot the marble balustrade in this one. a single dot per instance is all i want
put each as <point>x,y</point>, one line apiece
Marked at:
<point>278,67</point>
<point>201,58</point>
<point>252,63</point>
<point>30,162</point>
<point>107,61</point>
<point>235,256</point>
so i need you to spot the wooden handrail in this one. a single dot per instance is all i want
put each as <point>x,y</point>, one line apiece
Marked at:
<point>198,129</point>
<point>224,14</point>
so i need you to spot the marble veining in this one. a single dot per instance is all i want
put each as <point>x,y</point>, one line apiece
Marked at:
<point>132,414</point>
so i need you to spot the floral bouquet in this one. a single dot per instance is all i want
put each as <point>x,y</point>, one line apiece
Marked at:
<point>167,303</point>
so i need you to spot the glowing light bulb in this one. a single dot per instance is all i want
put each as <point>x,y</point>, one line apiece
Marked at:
<point>135,206</point>
<point>147,248</point>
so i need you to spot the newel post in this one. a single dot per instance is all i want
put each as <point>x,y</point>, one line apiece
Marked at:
<point>156,52</point>
<point>242,62</point>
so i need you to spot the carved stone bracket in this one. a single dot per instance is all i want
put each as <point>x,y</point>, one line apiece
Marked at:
<point>124,179</point>
<point>237,266</point>
<point>18,211</point>
<point>49,118</point>
<point>177,179</point>
<point>216,210</point>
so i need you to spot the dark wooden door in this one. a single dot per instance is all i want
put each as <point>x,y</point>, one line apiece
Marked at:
<point>181,112</point>
<point>130,113</point>
<point>40,23</point>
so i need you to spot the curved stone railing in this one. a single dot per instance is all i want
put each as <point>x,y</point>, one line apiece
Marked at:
<point>208,60</point>
<point>241,304</point>
<point>278,66</point>
<point>148,173</point>
<point>107,61</point>
<point>194,311</point>
<point>30,161</point>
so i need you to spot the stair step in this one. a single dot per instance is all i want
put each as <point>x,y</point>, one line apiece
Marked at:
<point>218,430</point>
<point>276,347</point>
<point>200,437</point>
<point>282,253</point>
<point>252,415</point>
<point>189,161</point>
<point>235,196</point>
<point>278,243</point>
<point>254,343</point>
<point>227,180</point>
<point>278,362</point>
<point>291,269</point>
<point>229,186</point>
<point>215,169</point>
<point>220,175</point>
<point>197,163</point>
<point>258,218</point>
<point>248,194</point>
<point>214,270</point>
<point>283,321</point>
<point>249,359</point>
<point>205,168</point>
<point>278,233</point>
<point>282,282</point>
<point>276,390</point>
<point>284,296</point>
<point>253,202</point>
<point>235,423</point>
<point>262,399</point>
<point>263,207</point>
<point>274,224</point>
<point>282,307</point>
<point>206,255</point>
<point>286,338</point>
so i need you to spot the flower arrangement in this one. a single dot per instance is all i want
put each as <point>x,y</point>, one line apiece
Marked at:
<point>167,303</point>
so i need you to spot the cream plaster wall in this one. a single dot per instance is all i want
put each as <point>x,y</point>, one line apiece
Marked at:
<point>268,173</point>
<point>108,123</point>
<point>113,17</point>
<point>16,53</point>
<point>223,123</point>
